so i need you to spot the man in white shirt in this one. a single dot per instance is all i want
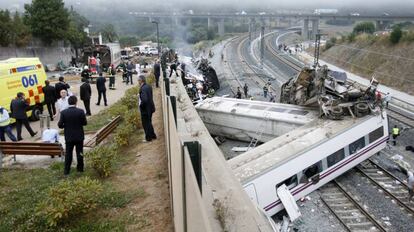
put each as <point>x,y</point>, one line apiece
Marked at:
<point>387,99</point>
<point>50,136</point>
<point>62,104</point>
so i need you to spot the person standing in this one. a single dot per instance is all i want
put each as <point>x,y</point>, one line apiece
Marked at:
<point>173,68</point>
<point>98,64</point>
<point>18,107</point>
<point>245,89</point>
<point>85,73</point>
<point>100,85</point>
<point>112,73</point>
<point>62,103</point>
<point>147,108</point>
<point>395,134</point>
<point>410,183</point>
<point>85,95</point>
<point>238,93</point>
<point>50,98</point>
<point>61,85</point>
<point>5,126</point>
<point>387,99</point>
<point>157,73</point>
<point>265,90</point>
<point>130,70</point>
<point>72,121</point>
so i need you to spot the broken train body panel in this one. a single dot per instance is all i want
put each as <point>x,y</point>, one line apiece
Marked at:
<point>308,157</point>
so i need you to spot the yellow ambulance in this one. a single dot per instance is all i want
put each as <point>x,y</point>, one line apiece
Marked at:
<point>25,75</point>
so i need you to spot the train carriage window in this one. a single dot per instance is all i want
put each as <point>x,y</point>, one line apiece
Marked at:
<point>336,157</point>
<point>311,171</point>
<point>376,134</point>
<point>289,182</point>
<point>357,145</point>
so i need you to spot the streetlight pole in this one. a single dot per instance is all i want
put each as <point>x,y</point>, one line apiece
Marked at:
<point>158,38</point>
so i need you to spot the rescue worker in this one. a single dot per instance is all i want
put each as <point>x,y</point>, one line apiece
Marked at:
<point>173,67</point>
<point>245,89</point>
<point>387,99</point>
<point>130,70</point>
<point>112,73</point>
<point>265,90</point>
<point>5,126</point>
<point>238,93</point>
<point>395,134</point>
<point>85,73</point>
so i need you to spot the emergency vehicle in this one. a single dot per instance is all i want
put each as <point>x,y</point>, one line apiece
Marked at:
<point>26,75</point>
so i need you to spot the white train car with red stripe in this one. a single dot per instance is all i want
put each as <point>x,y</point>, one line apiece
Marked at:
<point>308,157</point>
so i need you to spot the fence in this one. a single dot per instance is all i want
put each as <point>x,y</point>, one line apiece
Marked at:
<point>184,167</point>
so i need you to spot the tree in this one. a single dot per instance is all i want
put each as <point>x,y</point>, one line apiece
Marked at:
<point>109,33</point>
<point>48,19</point>
<point>396,35</point>
<point>364,27</point>
<point>128,41</point>
<point>75,33</point>
<point>6,28</point>
<point>21,32</point>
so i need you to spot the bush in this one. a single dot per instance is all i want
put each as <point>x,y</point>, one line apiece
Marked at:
<point>396,35</point>
<point>133,118</point>
<point>123,133</point>
<point>364,27</point>
<point>69,199</point>
<point>330,43</point>
<point>101,159</point>
<point>351,37</point>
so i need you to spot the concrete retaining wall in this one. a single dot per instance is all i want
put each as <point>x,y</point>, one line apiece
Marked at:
<point>47,55</point>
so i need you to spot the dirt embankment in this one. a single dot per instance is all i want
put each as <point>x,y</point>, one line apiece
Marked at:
<point>368,56</point>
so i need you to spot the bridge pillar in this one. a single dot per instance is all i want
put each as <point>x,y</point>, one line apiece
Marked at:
<point>209,23</point>
<point>315,28</point>
<point>188,22</point>
<point>221,27</point>
<point>305,29</point>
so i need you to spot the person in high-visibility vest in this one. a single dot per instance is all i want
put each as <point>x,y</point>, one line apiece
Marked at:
<point>5,126</point>
<point>395,134</point>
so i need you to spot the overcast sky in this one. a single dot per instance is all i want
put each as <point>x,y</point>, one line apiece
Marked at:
<point>270,5</point>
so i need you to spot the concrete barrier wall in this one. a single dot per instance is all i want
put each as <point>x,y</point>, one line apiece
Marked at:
<point>47,55</point>
<point>188,208</point>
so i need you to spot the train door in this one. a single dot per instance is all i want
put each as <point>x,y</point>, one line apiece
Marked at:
<point>251,192</point>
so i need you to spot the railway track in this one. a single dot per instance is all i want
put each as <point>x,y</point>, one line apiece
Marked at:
<point>347,210</point>
<point>390,185</point>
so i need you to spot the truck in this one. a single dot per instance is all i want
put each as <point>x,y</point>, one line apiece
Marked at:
<point>26,75</point>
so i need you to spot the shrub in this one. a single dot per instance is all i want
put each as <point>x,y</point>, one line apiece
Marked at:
<point>133,118</point>
<point>69,199</point>
<point>330,43</point>
<point>364,27</point>
<point>351,37</point>
<point>123,133</point>
<point>396,35</point>
<point>101,159</point>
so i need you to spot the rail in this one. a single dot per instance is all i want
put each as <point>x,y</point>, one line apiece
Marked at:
<point>332,197</point>
<point>374,172</point>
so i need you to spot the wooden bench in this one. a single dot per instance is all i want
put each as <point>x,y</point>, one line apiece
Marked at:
<point>30,148</point>
<point>99,136</point>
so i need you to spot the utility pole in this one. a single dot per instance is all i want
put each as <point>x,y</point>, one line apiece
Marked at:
<point>317,50</point>
<point>158,38</point>
<point>262,46</point>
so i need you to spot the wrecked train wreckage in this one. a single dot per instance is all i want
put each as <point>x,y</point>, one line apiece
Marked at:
<point>332,92</point>
<point>208,72</point>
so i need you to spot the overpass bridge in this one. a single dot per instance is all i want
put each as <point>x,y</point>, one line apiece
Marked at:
<point>265,18</point>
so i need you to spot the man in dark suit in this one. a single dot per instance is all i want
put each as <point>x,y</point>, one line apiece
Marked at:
<point>157,72</point>
<point>147,108</point>
<point>18,107</point>
<point>85,95</point>
<point>50,98</point>
<point>100,85</point>
<point>72,121</point>
<point>61,85</point>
